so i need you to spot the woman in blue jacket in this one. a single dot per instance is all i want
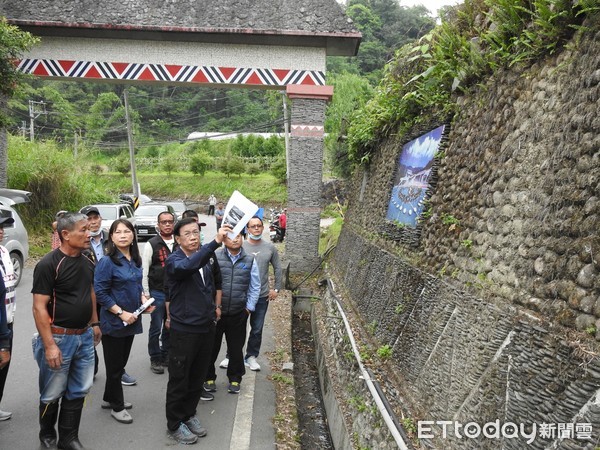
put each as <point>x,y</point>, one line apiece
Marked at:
<point>118,286</point>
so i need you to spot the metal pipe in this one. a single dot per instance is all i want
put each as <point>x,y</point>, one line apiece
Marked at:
<point>389,421</point>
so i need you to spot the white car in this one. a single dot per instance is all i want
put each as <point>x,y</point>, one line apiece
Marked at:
<point>16,239</point>
<point>113,211</point>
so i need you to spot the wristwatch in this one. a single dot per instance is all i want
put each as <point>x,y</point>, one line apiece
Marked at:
<point>119,312</point>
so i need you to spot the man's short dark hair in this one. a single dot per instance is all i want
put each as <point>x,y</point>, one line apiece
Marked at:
<point>189,213</point>
<point>183,222</point>
<point>165,212</point>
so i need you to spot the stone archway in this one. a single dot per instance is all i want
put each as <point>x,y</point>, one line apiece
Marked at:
<point>228,43</point>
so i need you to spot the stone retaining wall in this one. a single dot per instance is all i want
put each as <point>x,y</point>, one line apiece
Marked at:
<point>493,318</point>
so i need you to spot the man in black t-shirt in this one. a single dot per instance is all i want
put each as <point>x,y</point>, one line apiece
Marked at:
<point>64,309</point>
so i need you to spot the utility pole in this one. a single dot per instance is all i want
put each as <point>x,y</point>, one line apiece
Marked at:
<point>286,135</point>
<point>75,143</point>
<point>24,128</point>
<point>136,188</point>
<point>35,110</point>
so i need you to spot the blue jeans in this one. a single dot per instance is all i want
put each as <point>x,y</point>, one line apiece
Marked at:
<point>257,320</point>
<point>75,376</point>
<point>158,333</point>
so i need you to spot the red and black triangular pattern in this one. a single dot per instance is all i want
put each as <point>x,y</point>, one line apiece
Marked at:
<point>170,72</point>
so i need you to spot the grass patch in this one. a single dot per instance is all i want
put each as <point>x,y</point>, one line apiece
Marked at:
<point>330,236</point>
<point>262,189</point>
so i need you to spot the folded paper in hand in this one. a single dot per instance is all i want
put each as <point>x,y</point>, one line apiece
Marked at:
<point>141,309</point>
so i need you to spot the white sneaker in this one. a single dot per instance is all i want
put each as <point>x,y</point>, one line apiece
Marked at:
<point>224,364</point>
<point>122,416</point>
<point>252,364</point>
<point>5,415</point>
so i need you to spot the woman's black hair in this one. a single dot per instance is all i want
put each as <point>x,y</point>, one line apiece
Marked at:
<point>113,251</point>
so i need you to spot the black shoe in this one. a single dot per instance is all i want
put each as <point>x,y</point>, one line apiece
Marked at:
<point>206,396</point>
<point>210,386</point>
<point>72,445</point>
<point>157,367</point>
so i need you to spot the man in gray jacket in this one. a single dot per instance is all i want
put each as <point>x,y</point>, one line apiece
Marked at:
<point>265,254</point>
<point>240,290</point>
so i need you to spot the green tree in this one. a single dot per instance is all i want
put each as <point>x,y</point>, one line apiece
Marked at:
<point>223,165</point>
<point>273,146</point>
<point>152,151</point>
<point>239,146</point>
<point>13,43</point>
<point>257,147</point>
<point>122,164</point>
<point>385,26</point>
<point>351,92</point>
<point>106,120</point>
<point>365,20</point>
<point>279,169</point>
<point>253,169</point>
<point>201,162</point>
<point>237,166</point>
<point>169,166</point>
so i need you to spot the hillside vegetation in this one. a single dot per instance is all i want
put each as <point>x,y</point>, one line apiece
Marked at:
<point>59,180</point>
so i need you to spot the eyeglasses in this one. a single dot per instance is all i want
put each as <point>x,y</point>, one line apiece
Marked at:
<point>188,234</point>
<point>166,222</point>
<point>255,226</point>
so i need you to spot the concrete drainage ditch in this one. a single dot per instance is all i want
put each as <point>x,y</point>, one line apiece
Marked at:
<point>312,417</point>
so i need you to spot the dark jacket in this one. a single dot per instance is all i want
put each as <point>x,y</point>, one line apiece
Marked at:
<point>122,286</point>
<point>90,251</point>
<point>5,332</point>
<point>191,300</point>
<point>236,280</point>
<point>156,270</point>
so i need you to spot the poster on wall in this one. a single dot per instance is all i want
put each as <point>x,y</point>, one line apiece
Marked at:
<point>412,177</point>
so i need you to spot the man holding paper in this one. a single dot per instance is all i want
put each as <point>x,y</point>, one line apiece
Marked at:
<point>193,294</point>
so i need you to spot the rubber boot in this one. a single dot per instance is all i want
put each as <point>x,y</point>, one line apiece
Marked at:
<point>68,424</point>
<point>48,416</point>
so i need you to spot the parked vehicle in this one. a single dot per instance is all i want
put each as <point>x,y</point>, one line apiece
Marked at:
<point>129,198</point>
<point>16,239</point>
<point>146,219</point>
<point>179,207</point>
<point>113,211</point>
<point>275,231</point>
<point>273,214</point>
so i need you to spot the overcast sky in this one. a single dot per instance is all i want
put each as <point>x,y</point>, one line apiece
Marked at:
<point>432,5</point>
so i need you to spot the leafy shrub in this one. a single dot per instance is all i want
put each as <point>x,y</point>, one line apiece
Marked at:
<point>279,169</point>
<point>201,162</point>
<point>56,179</point>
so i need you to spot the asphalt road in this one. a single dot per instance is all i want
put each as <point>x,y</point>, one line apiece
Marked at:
<point>238,422</point>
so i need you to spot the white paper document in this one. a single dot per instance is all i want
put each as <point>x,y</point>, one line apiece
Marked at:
<point>141,309</point>
<point>238,212</point>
